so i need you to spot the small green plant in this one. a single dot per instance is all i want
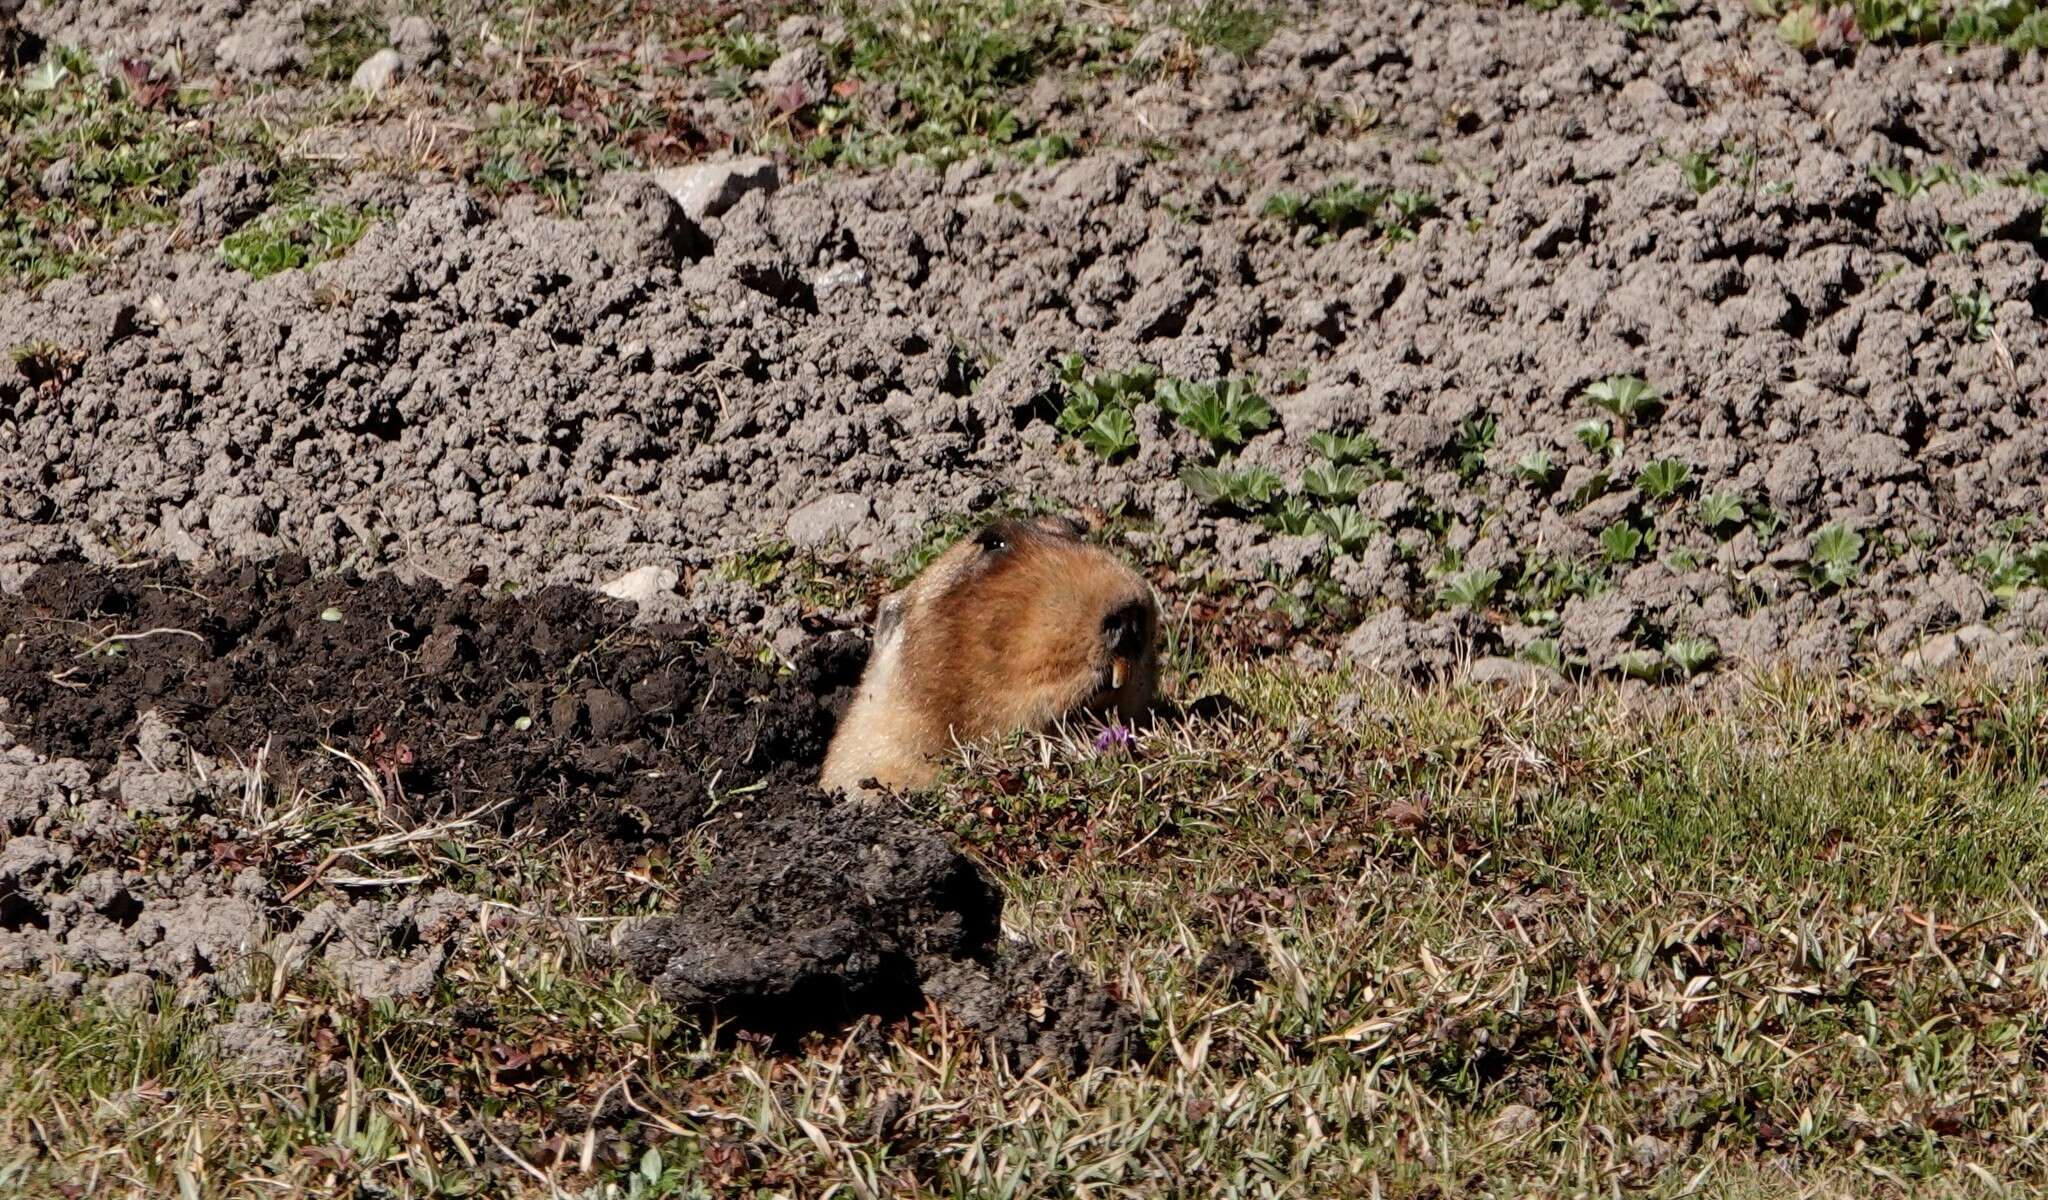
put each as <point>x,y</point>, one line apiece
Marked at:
<point>1097,411</point>
<point>2030,34</point>
<point>1914,21</point>
<point>1342,207</point>
<point>1536,469</point>
<point>761,566</point>
<point>1042,148</point>
<point>1898,180</point>
<point>1664,478</point>
<point>1248,490</point>
<point>1595,435</point>
<point>1545,582</point>
<point>1343,483</point>
<point>1471,442</point>
<point>1640,663</point>
<point>1720,511</point>
<point>1290,208</point>
<point>1692,654</point>
<point>654,1179</point>
<point>1974,310</point>
<point>1647,16</point>
<point>1472,589</point>
<point>294,237</point>
<point>744,50</point>
<point>1836,552</point>
<point>1111,435</point>
<point>1958,240</point>
<point>46,365</point>
<point>1767,522</point>
<point>339,37</point>
<point>1347,527</point>
<point>1591,488</point>
<point>1294,516</point>
<point>1621,542</point>
<point>1699,171</point>
<point>1543,652</point>
<point>2006,568</point>
<point>1629,398</point>
<point>1798,26</point>
<point>537,150</point>
<point>1405,213</point>
<point>1345,448</point>
<point>1226,414</point>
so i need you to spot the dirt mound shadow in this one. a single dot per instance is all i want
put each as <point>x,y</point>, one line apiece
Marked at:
<point>584,723</point>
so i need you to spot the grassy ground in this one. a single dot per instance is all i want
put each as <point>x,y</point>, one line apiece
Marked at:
<point>1778,943</point>
<point>544,98</point>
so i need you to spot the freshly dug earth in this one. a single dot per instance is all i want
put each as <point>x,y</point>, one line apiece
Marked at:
<point>813,917</point>
<point>454,697</point>
<point>1830,268</point>
<point>552,711</point>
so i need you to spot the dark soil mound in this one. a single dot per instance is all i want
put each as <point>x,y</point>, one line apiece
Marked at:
<point>454,697</point>
<point>595,728</point>
<point>817,915</point>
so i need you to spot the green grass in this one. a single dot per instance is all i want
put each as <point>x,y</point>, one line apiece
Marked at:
<point>1640,17</point>
<point>134,148</point>
<point>297,236</point>
<point>2020,25</point>
<point>1782,939</point>
<point>340,36</point>
<point>939,79</point>
<point>1233,25</point>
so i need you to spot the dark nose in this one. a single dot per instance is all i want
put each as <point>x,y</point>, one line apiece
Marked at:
<point>1123,630</point>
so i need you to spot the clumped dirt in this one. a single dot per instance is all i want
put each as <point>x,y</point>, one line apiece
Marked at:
<point>843,359</point>
<point>453,697</point>
<point>594,727</point>
<point>144,707</point>
<point>1034,1005</point>
<point>1236,966</point>
<point>812,917</point>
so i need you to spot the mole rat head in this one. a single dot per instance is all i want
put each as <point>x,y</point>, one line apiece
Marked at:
<point>1023,623</point>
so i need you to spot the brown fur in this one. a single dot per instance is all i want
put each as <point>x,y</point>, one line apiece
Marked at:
<point>1010,629</point>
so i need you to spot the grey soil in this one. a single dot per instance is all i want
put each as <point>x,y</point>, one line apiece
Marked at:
<point>841,361</point>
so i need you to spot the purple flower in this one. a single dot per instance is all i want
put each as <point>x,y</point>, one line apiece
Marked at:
<point>1113,737</point>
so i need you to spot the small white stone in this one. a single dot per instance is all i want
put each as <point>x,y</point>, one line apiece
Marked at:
<point>709,189</point>
<point>641,584</point>
<point>379,71</point>
<point>827,519</point>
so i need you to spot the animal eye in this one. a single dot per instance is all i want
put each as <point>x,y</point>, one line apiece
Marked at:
<point>992,540</point>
